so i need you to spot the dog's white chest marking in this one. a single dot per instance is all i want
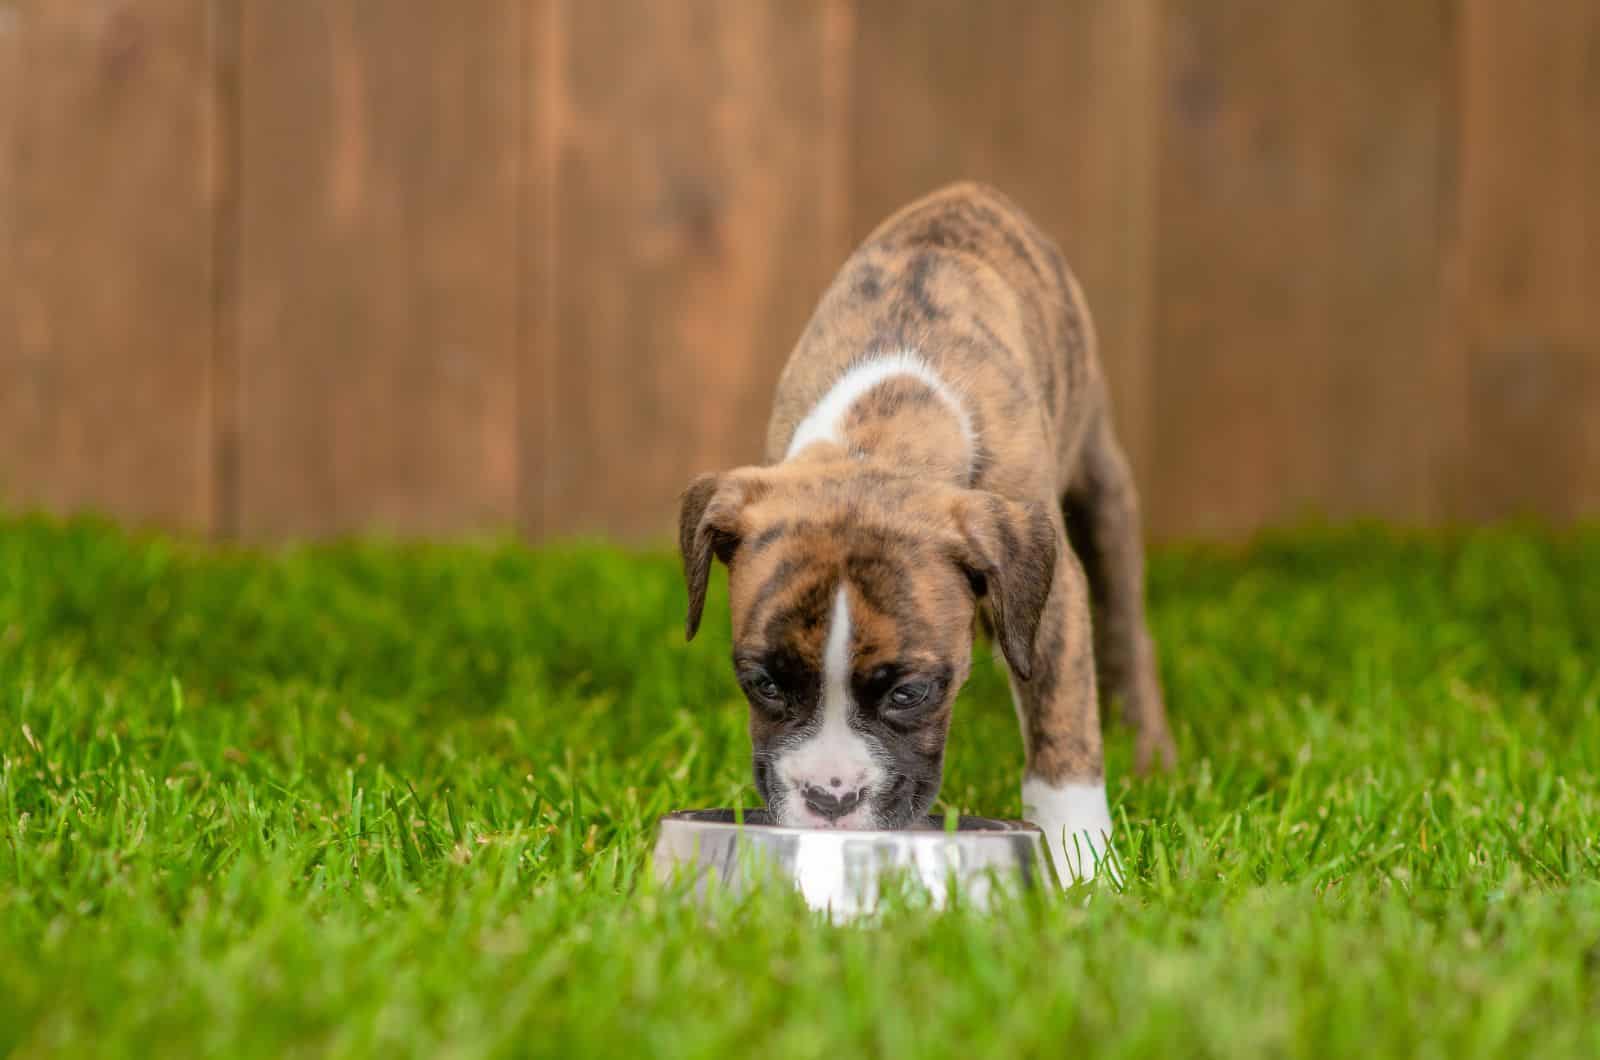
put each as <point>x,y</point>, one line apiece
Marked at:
<point>825,421</point>
<point>835,758</point>
<point>1076,821</point>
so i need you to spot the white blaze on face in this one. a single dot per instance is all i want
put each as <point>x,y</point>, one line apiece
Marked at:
<point>1076,822</point>
<point>834,758</point>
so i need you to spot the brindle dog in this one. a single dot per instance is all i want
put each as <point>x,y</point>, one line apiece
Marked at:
<point>940,451</point>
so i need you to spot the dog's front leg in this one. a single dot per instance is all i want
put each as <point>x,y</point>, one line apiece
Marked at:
<point>1063,783</point>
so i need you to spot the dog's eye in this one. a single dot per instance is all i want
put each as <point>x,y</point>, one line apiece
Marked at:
<point>911,694</point>
<point>763,688</point>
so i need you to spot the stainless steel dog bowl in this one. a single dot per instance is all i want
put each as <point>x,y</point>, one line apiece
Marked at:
<point>841,871</point>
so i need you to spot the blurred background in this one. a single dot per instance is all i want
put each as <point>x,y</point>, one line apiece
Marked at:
<point>283,268</point>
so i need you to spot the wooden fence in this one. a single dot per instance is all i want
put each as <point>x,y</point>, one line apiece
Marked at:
<point>273,268</point>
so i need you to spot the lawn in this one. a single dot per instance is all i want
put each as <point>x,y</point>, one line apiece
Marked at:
<point>395,799</point>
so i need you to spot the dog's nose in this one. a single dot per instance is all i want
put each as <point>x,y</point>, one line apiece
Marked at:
<point>826,804</point>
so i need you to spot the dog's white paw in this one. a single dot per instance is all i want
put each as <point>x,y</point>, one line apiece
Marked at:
<point>1076,822</point>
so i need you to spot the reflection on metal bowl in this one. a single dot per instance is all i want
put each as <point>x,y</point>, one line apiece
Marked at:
<point>841,871</point>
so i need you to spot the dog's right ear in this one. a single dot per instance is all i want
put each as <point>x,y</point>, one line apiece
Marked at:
<point>708,525</point>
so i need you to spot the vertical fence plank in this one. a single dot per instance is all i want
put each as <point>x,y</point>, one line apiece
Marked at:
<point>105,383</point>
<point>379,155</point>
<point>10,98</point>
<point>1049,101</point>
<point>1384,107</point>
<point>537,333</point>
<point>1237,383</point>
<point>691,149</point>
<point>1295,333</point>
<point>225,270</point>
<point>1529,268</point>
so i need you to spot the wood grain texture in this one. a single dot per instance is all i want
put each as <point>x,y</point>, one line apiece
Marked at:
<point>693,155</point>
<point>1052,103</point>
<point>1528,247</point>
<point>537,332</point>
<point>105,377</point>
<point>1297,362</point>
<point>377,289</point>
<point>225,270</point>
<point>1385,109</point>
<point>10,100</point>
<point>280,268</point>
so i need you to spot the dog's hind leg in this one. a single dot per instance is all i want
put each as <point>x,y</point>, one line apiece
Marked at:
<point>1102,516</point>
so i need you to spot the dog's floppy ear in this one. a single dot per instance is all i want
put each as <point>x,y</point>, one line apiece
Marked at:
<point>1008,551</point>
<point>708,525</point>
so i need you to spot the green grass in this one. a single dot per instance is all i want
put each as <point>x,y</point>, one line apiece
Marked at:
<point>398,800</point>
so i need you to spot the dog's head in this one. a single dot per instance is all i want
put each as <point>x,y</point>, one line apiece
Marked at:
<point>853,595</point>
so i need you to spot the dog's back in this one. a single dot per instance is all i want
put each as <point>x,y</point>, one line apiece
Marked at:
<point>962,280</point>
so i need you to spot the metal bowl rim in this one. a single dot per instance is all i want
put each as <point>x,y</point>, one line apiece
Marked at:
<point>1004,829</point>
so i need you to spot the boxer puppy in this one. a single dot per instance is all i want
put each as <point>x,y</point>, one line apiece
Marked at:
<point>940,453</point>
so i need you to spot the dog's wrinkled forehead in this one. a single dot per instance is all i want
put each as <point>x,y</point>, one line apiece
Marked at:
<point>905,599</point>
